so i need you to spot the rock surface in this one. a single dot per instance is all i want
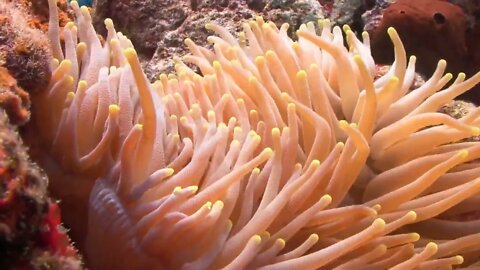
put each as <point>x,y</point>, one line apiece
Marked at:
<point>158,28</point>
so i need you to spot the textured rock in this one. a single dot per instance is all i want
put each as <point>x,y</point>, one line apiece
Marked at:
<point>158,28</point>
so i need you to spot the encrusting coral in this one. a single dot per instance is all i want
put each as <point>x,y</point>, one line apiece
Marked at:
<point>282,155</point>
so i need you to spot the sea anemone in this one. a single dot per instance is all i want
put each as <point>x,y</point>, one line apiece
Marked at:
<point>282,154</point>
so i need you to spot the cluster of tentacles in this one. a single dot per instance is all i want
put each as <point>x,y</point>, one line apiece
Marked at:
<point>282,154</point>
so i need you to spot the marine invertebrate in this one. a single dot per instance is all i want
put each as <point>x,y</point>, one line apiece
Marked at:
<point>431,29</point>
<point>283,154</point>
<point>419,19</point>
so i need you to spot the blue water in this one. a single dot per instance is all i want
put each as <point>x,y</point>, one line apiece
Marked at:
<point>88,3</point>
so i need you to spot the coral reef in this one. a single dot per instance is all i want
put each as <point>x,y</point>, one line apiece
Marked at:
<point>24,51</point>
<point>282,154</point>
<point>30,228</point>
<point>35,12</point>
<point>30,233</point>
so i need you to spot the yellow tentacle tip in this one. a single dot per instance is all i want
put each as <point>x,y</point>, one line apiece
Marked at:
<point>459,259</point>
<point>475,131</point>
<point>108,22</point>
<point>216,64</point>
<point>188,42</point>
<point>222,127</point>
<point>280,243</point>
<point>463,154</point>
<point>266,27</point>
<point>209,26</point>
<point>70,80</point>
<point>208,205</point>
<point>66,63</point>
<point>240,101</point>
<point>252,80</point>
<point>315,163</point>
<point>237,129</point>
<point>378,223</point>
<point>267,152</point>
<point>270,54</point>
<point>394,80</point>
<point>82,46</point>
<point>343,124</point>
<point>313,67</point>
<point>291,106</point>
<point>232,120</point>
<point>74,4</point>
<point>69,25</point>
<point>377,207</point>
<point>260,60</point>
<point>252,134</point>
<point>357,58</point>
<point>113,109</point>
<point>432,247</point>
<point>130,54</point>
<point>275,132</point>
<point>211,115</point>
<point>218,204</point>
<point>301,75</point>
<point>286,97</point>
<point>138,127</point>
<point>85,12</point>
<point>382,248</point>
<point>411,215</point>
<point>82,84</point>
<point>314,237</point>
<point>256,239</point>
<point>234,143</point>
<point>392,31</point>
<point>169,171</point>
<point>327,198</point>
<point>415,237</point>
<point>259,19</point>
<point>256,171</point>
<point>192,189</point>
<point>295,46</point>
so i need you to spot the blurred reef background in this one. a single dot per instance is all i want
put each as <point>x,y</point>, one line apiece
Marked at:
<point>31,234</point>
